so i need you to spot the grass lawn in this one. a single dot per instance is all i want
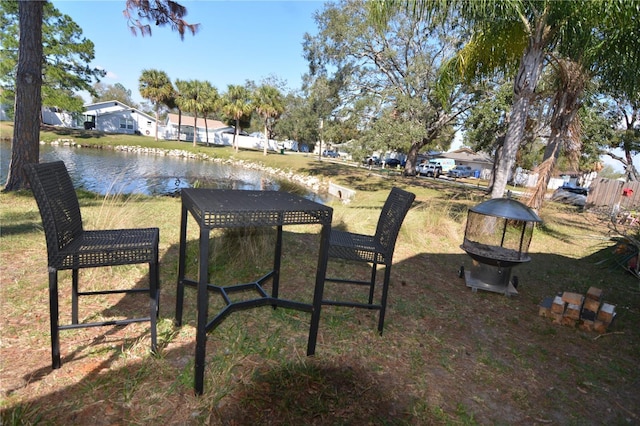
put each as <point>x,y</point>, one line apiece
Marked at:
<point>448,355</point>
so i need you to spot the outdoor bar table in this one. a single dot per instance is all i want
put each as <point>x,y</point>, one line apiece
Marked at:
<point>225,208</point>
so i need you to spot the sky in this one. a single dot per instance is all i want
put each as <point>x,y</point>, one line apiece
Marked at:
<point>237,41</point>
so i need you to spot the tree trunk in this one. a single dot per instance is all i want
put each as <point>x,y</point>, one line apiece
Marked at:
<point>412,159</point>
<point>523,87</point>
<point>566,104</point>
<point>266,136</point>
<point>632,173</point>
<point>195,128</point>
<point>157,115</point>
<point>25,146</point>
<point>179,122</point>
<point>206,129</point>
<point>235,134</point>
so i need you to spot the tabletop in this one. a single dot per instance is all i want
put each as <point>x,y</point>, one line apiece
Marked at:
<point>227,208</point>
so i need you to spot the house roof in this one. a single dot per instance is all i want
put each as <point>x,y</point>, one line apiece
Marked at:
<point>97,105</point>
<point>189,121</point>
<point>467,155</point>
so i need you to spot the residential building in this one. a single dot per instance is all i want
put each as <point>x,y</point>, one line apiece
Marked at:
<point>107,116</point>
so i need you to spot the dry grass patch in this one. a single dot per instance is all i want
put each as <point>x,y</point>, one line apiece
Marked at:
<point>447,356</point>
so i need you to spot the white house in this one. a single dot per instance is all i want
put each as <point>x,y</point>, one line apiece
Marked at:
<point>187,123</point>
<point>476,160</point>
<point>108,116</point>
<point>219,133</point>
<point>116,117</point>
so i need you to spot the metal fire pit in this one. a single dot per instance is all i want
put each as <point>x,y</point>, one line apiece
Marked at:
<point>497,238</point>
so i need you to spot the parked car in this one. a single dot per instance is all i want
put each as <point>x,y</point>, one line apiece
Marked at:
<point>392,163</point>
<point>575,189</point>
<point>429,169</point>
<point>460,172</point>
<point>372,161</point>
<point>331,154</point>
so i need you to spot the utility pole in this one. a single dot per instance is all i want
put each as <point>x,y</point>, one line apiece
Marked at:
<point>320,150</point>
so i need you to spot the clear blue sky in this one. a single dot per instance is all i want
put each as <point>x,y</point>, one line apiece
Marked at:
<point>237,41</point>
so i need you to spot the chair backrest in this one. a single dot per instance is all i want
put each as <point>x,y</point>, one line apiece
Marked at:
<point>391,217</point>
<point>58,204</point>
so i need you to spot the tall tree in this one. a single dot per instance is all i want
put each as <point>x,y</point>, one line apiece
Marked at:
<point>66,52</point>
<point>624,133</point>
<point>192,99</point>
<point>570,83</point>
<point>26,130</point>
<point>181,88</point>
<point>269,104</point>
<point>155,86</point>
<point>210,103</point>
<point>237,103</point>
<point>25,147</point>
<point>397,68</point>
<point>112,92</point>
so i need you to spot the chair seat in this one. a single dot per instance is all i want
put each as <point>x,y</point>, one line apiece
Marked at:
<point>359,247</point>
<point>108,248</point>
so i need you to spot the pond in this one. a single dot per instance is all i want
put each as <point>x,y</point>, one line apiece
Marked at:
<point>107,171</point>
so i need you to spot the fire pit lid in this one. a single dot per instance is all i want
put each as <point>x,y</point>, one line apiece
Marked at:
<point>506,208</point>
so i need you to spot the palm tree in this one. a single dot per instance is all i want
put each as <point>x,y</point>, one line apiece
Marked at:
<point>181,87</point>
<point>191,100</point>
<point>269,104</point>
<point>209,104</point>
<point>570,82</point>
<point>155,86</point>
<point>237,104</point>
<point>172,102</point>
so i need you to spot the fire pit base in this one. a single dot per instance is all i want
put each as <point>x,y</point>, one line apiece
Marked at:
<point>490,278</point>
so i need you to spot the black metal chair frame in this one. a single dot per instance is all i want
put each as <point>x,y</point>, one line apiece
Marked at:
<point>375,249</point>
<point>69,246</point>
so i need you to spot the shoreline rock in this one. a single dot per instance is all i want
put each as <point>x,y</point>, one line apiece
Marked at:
<point>313,183</point>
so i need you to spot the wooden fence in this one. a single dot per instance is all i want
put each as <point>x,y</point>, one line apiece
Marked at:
<point>614,193</point>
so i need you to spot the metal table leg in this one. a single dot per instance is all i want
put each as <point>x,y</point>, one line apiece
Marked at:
<point>323,257</point>
<point>181,266</point>
<point>203,311</point>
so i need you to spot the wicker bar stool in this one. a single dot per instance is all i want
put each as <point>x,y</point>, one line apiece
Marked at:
<point>69,246</point>
<point>375,249</point>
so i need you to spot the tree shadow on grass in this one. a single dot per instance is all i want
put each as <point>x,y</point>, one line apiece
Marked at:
<point>308,392</point>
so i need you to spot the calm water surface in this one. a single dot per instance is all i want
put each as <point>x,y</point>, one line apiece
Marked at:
<point>114,172</point>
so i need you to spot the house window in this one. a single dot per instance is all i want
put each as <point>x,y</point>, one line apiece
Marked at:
<point>126,123</point>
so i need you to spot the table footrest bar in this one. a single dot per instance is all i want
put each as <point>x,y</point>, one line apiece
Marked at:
<point>130,290</point>
<point>103,323</point>
<point>351,304</point>
<point>266,277</point>
<point>345,281</point>
<point>253,303</point>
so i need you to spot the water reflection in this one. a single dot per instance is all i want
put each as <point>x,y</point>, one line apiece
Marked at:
<point>114,172</point>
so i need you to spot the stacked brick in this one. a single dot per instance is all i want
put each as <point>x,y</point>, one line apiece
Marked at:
<point>589,312</point>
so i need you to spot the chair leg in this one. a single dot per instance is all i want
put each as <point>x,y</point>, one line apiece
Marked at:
<point>74,296</point>
<point>383,301</point>
<point>154,293</point>
<point>53,318</point>
<point>372,286</point>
